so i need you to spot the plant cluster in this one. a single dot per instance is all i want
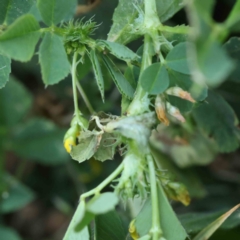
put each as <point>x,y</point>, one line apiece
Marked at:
<point>168,83</point>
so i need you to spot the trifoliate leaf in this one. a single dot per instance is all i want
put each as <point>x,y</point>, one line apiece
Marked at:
<point>155,79</point>
<point>19,40</point>
<point>218,120</point>
<point>177,58</point>
<point>53,59</point>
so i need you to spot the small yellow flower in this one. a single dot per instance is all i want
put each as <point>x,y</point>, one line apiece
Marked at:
<point>132,230</point>
<point>68,143</point>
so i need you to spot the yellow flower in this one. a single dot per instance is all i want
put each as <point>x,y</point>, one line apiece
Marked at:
<point>132,230</point>
<point>68,143</point>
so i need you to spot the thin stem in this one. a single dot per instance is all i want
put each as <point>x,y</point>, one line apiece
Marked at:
<point>85,98</point>
<point>103,184</point>
<point>179,29</point>
<point>74,83</point>
<point>156,230</point>
<point>151,17</point>
<point>141,102</point>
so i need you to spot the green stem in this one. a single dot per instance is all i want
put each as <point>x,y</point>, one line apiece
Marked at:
<point>85,98</point>
<point>74,83</point>
<point>98,189</point>
<point>141,101</point>
<point>151,19</point>
<point>178,30</point>
<point>156,230</point>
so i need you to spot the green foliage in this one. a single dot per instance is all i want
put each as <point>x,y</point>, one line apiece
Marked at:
<point>10,10</point>
<point>163,92</point>
<point>217,119</point>
<point>97,72</point>
<point>119,51</point>
<point>166,9</point>
<point>155,79</point>
<point>19,40</point>
<point>126,18</point>
<point>53,12</point>
<point>177,58</point>
<point>122,84</point>
<point>16,195</point>
<point>207,232</point>
<point>52,55</point>
<point>5,70</point>
<point>232,47</point>
<point>172,228</point>
<point>41,141</point>
<point>8,233</point>
<point>233,20</point>
<point>14,107</point>
<point>109,226</point>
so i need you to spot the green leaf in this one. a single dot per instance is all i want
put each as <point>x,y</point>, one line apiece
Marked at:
<point>122,84</point>
<point>197,91</point>
<point>5,70</point>
<point>54,11</point>
<point>106,148</point>
<point>232,46</point>
<point>86,148</point>
<point>53,59</point>
<point>171,227</point>
<point>19,40</point>
<point>207,232</point>
<point>195,222</point>
<point>40,140</point>
<point>218,120</point>
<point>132,74</point>
<point>71,234</point>
<point>109,226</point>
<point>155,79</point>
<point>8,233</point>
<point>183,105</point>
<point>177,58</point>
<point>97,72</point>
<point>14,107</point>
<point>212,57</point>
<point>97,205</point>
<point>10,10</point>
<point>167,8</point>
<point>119,51</point>
<point>16,196</point>
<point>232,23</point>
<point>207,54</point>
<point>83,68</point>
<point>126,19</point>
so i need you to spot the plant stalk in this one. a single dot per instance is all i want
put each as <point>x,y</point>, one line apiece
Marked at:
<point>74,86</point>
<point>85,98</point>
<point>98,189</point>
<point>156,230</point>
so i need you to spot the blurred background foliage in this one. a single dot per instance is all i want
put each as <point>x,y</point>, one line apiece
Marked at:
<point>40,185</point>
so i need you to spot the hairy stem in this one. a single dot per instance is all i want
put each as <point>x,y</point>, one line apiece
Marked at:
<point>151,17</point>
<point>141,101</point>
<point>74,86</point>
<point>85,98</point>
<point>156,230</point>
<point>103,184</point>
